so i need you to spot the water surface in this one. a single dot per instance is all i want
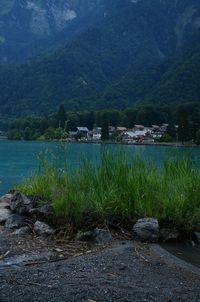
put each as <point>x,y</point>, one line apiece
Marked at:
<point>184,251</point>
<point>18,159</point>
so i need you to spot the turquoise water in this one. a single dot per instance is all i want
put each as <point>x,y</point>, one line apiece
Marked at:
<point>18,159</point>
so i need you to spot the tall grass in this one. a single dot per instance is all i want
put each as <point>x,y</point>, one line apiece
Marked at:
<point>120,187</point>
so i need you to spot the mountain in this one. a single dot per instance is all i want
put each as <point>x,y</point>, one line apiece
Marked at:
<point>140,51</point>
<point>174,81</point>
<point>30,27</point>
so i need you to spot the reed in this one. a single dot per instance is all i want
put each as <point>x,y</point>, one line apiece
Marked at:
<point>118,186</point>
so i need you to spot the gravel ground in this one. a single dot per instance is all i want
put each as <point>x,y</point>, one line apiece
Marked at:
<point>124,271</point>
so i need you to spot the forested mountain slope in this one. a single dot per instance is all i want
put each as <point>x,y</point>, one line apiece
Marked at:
<point>135,54</point>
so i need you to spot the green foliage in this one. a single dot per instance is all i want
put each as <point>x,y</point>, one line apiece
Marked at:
<point>58,133</point>
<point>61,117</point>
<point>186,116</point>
<point>121,187</point>
<point>166,138</point>
<point>131,56</point>
<point>14,134</point>
<point>105,128</point>
<point>198,137</point>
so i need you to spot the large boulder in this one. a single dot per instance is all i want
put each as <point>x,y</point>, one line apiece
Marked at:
<point>20,204</point>
<point>42,229</point>
<point>15,221</point>
<point>146,230</point>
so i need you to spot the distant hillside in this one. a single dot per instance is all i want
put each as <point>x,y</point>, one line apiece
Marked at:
<point>135,54</point>
<point>176,80</point>
<point>180,82</point>
<point>30,27</point>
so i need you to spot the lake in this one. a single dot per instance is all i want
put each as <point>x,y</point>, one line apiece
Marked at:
<point>18,159</point>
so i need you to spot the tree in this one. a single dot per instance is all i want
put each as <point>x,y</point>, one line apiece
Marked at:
<point>198,137</point>
<point>60,133</point>
<point>183,124</point>
<point>61,117</point>
<point>149,115</point>
<point>49,133</point>
<point>27,134</point>
<point>171,131</point>
<point>105,128</point>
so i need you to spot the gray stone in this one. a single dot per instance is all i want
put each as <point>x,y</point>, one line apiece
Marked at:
<point>43,229</point>
<point>22,231</point>
<point>102,236</point>
<point>99,236</point>
<point>20,204</point>
<point>5,201</point>
<point>15,221</point>
<point>146,230</point>
<point>196,237</point>
<point>46,210</point>
<point>4,215</point>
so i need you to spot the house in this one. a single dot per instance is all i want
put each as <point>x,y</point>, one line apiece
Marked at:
<point>138,127</point>
<point>83,130</point>
<point>157,131</point>
<point>97,130</point>
<point>140,134</point>
<point>128,137</point>
<point>96,134</point>
<point>164,127</point>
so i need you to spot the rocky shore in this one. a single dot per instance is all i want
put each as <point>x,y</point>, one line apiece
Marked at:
<point>123,271</point>
<point>98,265</point>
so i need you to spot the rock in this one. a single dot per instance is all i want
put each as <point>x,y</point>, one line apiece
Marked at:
<point>99,236</point>
<point>20,204</point>
<point>46,210</point>
<point>22,231</point>
<point>146,230</point>
<point>42,229</point>
<point>15,221</point>
<point>4,215</point>
<point>102,236</point>
<point>196,237</point>
<point>5,201</point>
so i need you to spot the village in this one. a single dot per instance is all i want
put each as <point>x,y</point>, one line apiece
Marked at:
<point>138,134</point>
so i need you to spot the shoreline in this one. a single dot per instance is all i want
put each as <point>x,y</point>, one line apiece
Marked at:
<point>174,145</point>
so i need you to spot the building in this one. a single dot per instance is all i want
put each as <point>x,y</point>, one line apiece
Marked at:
<point>83,130</point>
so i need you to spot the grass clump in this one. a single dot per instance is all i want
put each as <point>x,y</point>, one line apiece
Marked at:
<point>122,188</point>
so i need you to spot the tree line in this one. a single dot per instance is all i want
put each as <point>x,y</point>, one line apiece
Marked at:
<point>183,120</point>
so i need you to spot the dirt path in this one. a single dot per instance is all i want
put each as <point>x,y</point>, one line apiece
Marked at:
<point>124,271</point>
